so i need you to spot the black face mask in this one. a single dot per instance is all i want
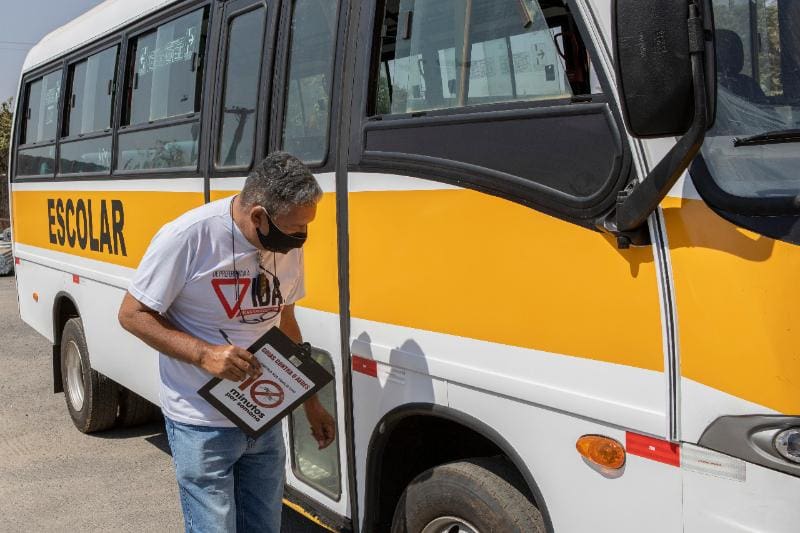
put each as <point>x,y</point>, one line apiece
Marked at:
<point>277,241</point>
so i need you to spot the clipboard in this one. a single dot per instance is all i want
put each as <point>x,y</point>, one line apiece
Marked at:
<point>289,376</point>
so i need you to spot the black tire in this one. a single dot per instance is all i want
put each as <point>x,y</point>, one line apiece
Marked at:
<point>100,396</point>
<point>133,409</point>
<point>482,493</point>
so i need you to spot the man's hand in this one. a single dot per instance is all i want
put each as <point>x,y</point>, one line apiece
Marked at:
<point>229,362</point>
<point>323,426</point>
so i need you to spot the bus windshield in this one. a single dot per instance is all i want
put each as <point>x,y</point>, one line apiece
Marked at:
<point>753,150</point>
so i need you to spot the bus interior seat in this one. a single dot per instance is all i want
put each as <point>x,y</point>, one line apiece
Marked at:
<point>730,62</point>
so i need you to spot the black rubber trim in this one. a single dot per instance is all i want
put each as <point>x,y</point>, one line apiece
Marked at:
<point>749,438</point>
<point>751,214</point>
<point>379,440</point>
<point>460,145</point>
<point>345,60</point>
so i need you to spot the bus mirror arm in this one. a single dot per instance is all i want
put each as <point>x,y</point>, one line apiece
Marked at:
<point>628,221</point>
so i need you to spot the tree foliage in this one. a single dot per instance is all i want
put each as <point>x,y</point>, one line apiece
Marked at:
<point>6,116</point>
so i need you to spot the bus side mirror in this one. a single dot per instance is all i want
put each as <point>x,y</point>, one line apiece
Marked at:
<point>653,40</point>
<point>667,87</point>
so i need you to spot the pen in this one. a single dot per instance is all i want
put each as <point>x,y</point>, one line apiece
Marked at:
<point>228,340</point>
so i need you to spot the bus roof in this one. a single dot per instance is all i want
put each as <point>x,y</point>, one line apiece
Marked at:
<point>95,23</point>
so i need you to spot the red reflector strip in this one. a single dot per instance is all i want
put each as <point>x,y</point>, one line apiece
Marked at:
<point>76,278</point>
<point>17,260</point>
<point>655,449</point>
<point>365,366</point>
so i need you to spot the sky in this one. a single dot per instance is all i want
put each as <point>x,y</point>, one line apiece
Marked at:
<point>22,24</point>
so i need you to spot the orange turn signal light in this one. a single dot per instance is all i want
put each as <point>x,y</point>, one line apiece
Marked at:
<point>602,451</point>
<point>35,296</point>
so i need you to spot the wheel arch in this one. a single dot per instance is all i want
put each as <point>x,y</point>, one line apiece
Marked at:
<point>381,439</point>
<point>64,308</point>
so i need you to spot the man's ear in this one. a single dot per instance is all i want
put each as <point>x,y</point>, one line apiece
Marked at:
<point>257,215</point>
<point>259,218</point>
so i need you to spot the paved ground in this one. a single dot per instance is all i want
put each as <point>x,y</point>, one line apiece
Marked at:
<point>52,477</point>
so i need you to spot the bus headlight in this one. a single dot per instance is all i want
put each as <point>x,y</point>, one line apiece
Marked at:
<point>787,443</point>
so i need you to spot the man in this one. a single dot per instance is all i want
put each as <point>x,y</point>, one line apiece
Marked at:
<point>226,272</point>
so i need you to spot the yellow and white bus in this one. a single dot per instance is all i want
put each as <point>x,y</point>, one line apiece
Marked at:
<point>539,314</point>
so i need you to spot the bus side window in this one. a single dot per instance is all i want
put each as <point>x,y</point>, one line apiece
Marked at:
<point>240,91</point>
<point>91,87</point>
<point>308,90</point>
<point>164,77</point>
<point>447,53</point>
<point>39,126</point>
<point>496,95</point>
<point>318,468</point>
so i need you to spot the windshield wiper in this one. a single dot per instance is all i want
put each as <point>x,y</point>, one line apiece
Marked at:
<point>770,137</point>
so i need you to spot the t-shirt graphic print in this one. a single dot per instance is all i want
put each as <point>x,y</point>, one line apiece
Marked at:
<point>188,275</point>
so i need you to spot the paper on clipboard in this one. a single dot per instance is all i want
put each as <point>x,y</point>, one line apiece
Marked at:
<point>288,377</point>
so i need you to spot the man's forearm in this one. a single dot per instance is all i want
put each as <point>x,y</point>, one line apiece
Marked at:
<point>161,334</point>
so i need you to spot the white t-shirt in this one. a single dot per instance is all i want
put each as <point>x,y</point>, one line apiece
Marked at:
<point>187,275</point>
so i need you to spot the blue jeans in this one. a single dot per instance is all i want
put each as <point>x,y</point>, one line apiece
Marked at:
<point>228,481</point>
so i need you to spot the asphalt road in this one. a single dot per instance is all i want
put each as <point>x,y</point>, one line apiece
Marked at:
<point>54,478</point>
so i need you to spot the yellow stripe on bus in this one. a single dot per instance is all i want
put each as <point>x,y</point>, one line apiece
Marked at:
<point>84,224</point>
<point>737,297</point>
<point>468,264</point>
<point>473,265</point>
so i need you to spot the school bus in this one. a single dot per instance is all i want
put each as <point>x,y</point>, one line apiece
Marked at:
<point>554,271</point>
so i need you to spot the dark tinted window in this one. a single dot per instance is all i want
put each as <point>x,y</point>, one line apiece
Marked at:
<point>171,147</point>
<point>90,93</point>
<point>38,161</point>
<point>240,92</point>
<point>307,113</point>
<point>165,70</point>
<point>41,109</point>
<point>439,54</point>
<point>91,155</point>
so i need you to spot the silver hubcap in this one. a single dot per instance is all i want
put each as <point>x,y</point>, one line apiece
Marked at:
<point>74,376</point>
<point>449,524</point>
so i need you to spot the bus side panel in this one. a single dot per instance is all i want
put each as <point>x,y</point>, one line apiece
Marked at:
<point>37,287</point>
<point>645,495</point>
<point>736,296</point>
<point>113,351</point>
<point>765,500</point>
<point>498,300</point>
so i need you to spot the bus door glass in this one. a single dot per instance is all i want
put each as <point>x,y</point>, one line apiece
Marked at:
<point>242,64</point>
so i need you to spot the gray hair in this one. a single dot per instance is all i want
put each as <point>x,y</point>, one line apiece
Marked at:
<point>280,182</point>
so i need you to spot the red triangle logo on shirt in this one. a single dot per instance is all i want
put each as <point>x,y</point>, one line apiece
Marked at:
<point>244,284</point>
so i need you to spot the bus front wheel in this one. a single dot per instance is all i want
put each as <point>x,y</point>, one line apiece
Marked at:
<point>92,398</point>
<point>468,496</point>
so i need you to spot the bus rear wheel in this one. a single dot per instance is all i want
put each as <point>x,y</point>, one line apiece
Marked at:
<point>469,496</point>
<point>92,398</point>
<point>134,410</point>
